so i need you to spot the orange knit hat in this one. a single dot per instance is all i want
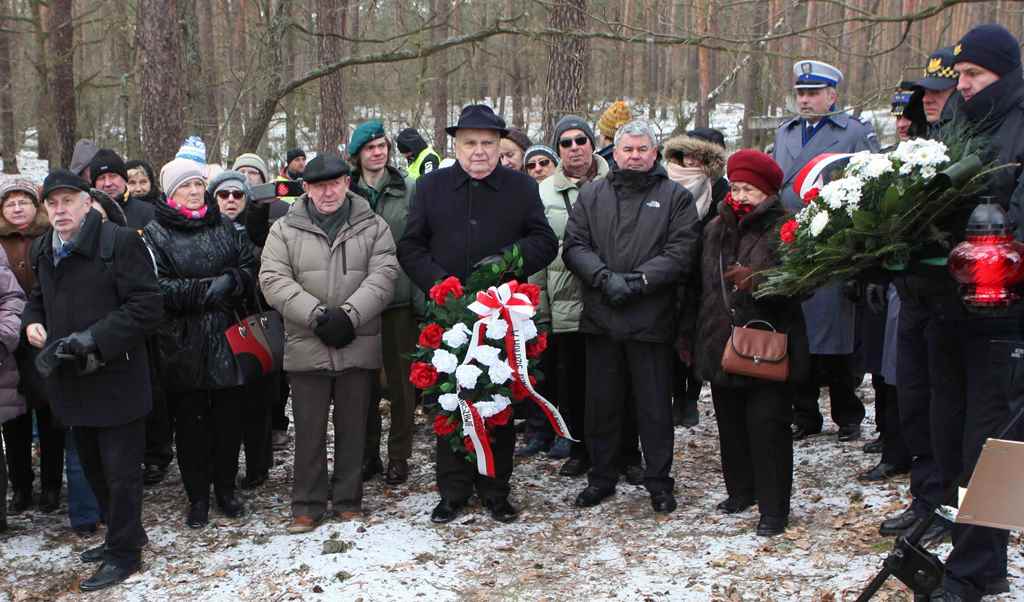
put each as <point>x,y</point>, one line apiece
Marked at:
<point>613,118</point>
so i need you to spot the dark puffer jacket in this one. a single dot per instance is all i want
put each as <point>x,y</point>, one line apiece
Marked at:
<point>633,222</point>
<point>12,304</point>
<point>189,255</point>
<point>752,241</point>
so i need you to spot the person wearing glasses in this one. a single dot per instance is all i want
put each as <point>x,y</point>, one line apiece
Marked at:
<point>539,162</point>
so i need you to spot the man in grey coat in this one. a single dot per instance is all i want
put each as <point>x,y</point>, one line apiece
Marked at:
<point>822,128</point>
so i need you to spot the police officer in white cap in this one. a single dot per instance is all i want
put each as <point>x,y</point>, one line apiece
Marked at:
<point>822,128</point>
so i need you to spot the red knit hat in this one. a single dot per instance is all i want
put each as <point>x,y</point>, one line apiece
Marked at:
<point>755,168</point>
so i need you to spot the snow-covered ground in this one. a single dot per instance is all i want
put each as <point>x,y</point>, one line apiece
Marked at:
<point>618,550</point>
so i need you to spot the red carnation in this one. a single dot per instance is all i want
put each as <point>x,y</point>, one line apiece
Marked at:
<point>422,375</point>
<point>449,286</point>
<point>532,292</point>
<point>788,232</point>
<point>443,425</point>
<point>430,336</point>
<point>811,194</point>
<point>537,346</point>
<point>501,418</point>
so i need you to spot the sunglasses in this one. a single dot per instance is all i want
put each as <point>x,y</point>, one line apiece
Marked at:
<point>567,142</point>
<point>538,163</point>
<point>224,194</point>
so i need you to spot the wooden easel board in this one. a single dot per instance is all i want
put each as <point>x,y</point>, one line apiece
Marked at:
<point>995,495</point>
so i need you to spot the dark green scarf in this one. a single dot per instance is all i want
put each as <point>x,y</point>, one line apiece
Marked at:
<point>333,223</point>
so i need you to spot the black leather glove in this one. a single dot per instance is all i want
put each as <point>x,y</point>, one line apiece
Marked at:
<point>489,260</point>
<point>852,290</point>
<point>616,290</point>
<point>635,280</point>
<point>80,344</point>
<point>876,297</point>
<point>334,328</point>
<point>220,289</point>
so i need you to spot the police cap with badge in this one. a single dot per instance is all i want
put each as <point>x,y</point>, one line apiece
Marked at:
<point>811,75</point>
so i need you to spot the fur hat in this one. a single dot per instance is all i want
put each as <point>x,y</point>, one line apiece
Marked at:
<point>613,118</point>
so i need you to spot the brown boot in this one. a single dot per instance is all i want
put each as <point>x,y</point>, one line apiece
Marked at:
<point>398,472</point>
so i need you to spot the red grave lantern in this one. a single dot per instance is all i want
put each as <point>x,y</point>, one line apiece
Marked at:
<point>989,263</point>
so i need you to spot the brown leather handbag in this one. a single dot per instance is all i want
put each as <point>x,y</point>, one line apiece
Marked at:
<point>755,352</point>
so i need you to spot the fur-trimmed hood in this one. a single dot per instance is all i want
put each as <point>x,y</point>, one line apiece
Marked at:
<point>711,155</point>
<point>37,227</point>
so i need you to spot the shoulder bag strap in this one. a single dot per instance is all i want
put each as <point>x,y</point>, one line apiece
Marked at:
<point>721,276</point>
<point>568,205</point>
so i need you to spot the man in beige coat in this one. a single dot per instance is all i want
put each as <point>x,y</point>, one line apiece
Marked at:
<point>329,267</point>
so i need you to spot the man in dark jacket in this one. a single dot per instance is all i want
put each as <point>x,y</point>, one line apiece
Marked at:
<point>632,240</point>
<point>463,217</point>
<point>96,293</point>
<point>110,175</point>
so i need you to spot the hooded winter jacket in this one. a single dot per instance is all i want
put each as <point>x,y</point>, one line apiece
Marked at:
<point>12,304</point>
<point>712,156</point>
<point>561,298</point>
<point>752,241</point>
<point>189,255</point>
<point>633,222</point>
<point>302,269</point>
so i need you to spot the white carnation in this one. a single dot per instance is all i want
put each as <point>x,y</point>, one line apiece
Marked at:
<point>449,402</point>
<point>444,361</point>
<point>529,330</point>
<point>499,372</point>
<point>467,374</point>
<point>818,223</point>
<point>457,336</point>
<point>487,355</point>
<point>497,329</point>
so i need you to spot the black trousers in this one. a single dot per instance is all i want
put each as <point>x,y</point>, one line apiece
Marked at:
<point>956,375</point>
<point>457,477</point>
<point>260,398</point>
<point>614,369</point>
<point>112,460</point>
<point>209,435</point>
<point>18,436</point>
<point>159,422</point>
<point>3,486</point>
<point>756,443</point>
<point>838,373</point>
<point>887,417</point>
<point>279,413</point>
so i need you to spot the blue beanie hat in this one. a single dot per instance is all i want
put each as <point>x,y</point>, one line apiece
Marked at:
<point>990,46</point>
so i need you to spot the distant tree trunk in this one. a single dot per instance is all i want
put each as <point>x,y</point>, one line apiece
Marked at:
<point>163,103</point>
<point>8,143</point>
<point>753,96</point>
<point>62,77</point>
<point>237,64</point>
<point>272,68</point>
<point>566,67</point>
<point>440,13</point>
<point>331,17</point>
<point>289,102</point>
<point>703,16</point>
<point>209,109</point>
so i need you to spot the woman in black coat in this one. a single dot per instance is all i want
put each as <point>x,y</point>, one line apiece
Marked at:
<point>206,269</point>
<point>753,415</point>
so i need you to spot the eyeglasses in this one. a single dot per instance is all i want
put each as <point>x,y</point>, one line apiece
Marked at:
<point>17,204</point>
<point>538,164</point>
<point>567,142</point>
<point>224,194</point>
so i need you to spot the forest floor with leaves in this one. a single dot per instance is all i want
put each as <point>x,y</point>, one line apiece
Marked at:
<point>618,550</point>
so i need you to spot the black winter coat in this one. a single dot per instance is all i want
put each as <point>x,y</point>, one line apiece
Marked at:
<point>190,254</point>
<point>137,212</point>
<point>633,222</point>
<point>753,242</point>
<point>119,304</point>
<point>455,221</point>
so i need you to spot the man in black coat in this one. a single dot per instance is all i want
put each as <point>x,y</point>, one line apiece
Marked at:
<point>632,240</point>
<point>110,175</point>
<point>463,217</point>
<point>97,294</point>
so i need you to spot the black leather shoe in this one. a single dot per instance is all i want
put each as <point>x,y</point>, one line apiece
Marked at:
<point>849,432</point>
<point>96,554</point>
<point>941,595</point>
<point>502,510</point>
<point>86,531</point>
<point>198,514</point>
<point>574,467</point>
<point>252,481</point>
<point>231,506</point>
<point>398,472</point>
<point>534,446</point>
<point>3,525</point>
<point>445,511</point>
<point>372,467</point>
<point>153,474</point>
<point>691,414</point>
<point>663,502</point>
<point>935,534</point>
<point>49,501</point>
<point>997,586</point>
<point>592,496</point>
<point>802,432</point>
<point>883,472</point>
<point>107,575</point>
<point>874,446</point>
<point>20,501</point>
<point>634,474</point>
<point>769,526</point>
<point>734,505</point>
<point>898,524</point>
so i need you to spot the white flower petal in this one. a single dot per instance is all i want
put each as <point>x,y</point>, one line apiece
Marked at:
<point>487,355</point>
<point>499,373</point>
<point>467,375</point>
<point>449,402</point>
<point>457,336</point>
<point>444,361</point>
<point>818,223</point>
<point>496,329</point>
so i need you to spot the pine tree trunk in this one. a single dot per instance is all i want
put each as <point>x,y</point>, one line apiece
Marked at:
<point>331,17</point>
<point>45,133</point>
<point>209,110</point>
<point>8,143</point>
<point>163,101</point>
<point>441,11</point>
<point>62,77</point>
<point>566,64</point>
